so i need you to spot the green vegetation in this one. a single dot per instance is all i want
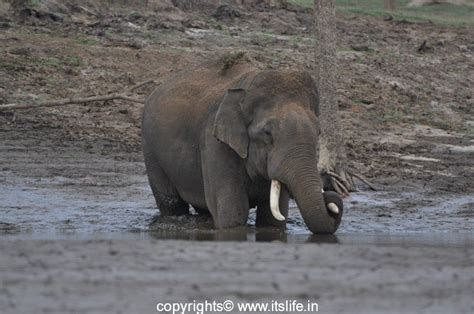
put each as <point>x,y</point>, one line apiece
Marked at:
<point>265,38</point>
<point>304,3</point>
<point>152,37</point>
<point>49,62</point>
<point>33,3</point>
<point>73,61</point>
<point>399,113</point>
<point>360,61</point>
<point>134,15</point>
<point>444,14</point>
<point>296,40</point>
<point>9,66</point>
<point>394,116</point>
<point>108,33</point>
<point>232,58</point>
<point>86,41</point>
<point>52,62</point>
<point>23,3</point>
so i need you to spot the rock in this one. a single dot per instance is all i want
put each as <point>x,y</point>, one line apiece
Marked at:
<point>360,48</point>
<point>188,5</point>
<point>226,12</point>
<point>21,51</point>
<point>131,25</point>
<point>136,44</point>
<point>4,24</point>
<point>134,16</point>
<point>41,15</point>
<point>191,23</point>
<point>396,85</point>
<point>349,55</point>
<point>463,48</point>
<point>424,48</point>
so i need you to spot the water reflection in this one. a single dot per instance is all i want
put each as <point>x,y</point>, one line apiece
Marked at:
<point>253,234</point>
<point>199,228</point>
<point>243,234</point>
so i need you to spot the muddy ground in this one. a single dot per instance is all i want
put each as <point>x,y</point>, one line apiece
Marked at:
<point>131,276</point>
<point>77,224</point>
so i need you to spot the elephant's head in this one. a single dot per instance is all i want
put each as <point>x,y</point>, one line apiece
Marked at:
<point>271,121</point>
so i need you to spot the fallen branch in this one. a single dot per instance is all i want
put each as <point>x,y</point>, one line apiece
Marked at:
<point>339,187</point>
<point>341,183</point>
<point>69,101</point>
<point>139,85</point>
<point>364,180</point>
<point>83,100</point>
<point>336,186</point>
<point>335,175</point>
<point>350,182</point>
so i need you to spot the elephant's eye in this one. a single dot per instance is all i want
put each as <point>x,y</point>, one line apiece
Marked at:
<point>262,132</point>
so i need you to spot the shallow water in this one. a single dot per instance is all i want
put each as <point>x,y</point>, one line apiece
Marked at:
<point>63,208</point>
<point>250,234</point>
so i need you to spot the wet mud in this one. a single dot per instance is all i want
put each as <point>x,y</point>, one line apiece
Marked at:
<point>68,192</point>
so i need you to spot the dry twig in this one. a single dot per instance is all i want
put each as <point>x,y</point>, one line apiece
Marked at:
<point>336,176</point>
<point>339,186</point>
<point>364,180</point>
<point>141,84</point>
<point>336,186</point>
<point>82,100</point>
<point>342,184</point>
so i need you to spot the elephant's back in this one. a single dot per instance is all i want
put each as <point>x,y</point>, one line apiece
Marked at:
<point>187,97</point>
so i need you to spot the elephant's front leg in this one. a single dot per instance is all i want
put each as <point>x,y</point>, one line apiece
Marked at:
<point>224,184</point>
<point>264,215</point>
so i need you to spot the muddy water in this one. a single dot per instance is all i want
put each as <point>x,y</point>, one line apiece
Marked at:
<point>92,207</point>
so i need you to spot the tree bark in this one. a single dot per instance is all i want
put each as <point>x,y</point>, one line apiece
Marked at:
<point>389,5</point>
<point>332,157</point>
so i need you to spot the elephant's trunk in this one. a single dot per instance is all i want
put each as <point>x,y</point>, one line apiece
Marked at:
<point>310,200</point>
<point>301,176</point>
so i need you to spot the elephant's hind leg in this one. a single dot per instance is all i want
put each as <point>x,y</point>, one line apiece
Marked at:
<point>166,196</point>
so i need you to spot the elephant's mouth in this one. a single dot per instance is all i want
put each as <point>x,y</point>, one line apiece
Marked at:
<point>275,191</point>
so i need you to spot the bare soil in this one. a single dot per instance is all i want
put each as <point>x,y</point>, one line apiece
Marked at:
<point>72,176</point>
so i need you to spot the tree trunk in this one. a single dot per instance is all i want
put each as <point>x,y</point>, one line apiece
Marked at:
<point>389,5</point>
<point>332,156</point>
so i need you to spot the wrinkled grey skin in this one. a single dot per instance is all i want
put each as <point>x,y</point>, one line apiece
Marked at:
<point>215,139</point>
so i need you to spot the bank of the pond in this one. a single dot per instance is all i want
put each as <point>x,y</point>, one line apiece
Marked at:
<point>129,276</point>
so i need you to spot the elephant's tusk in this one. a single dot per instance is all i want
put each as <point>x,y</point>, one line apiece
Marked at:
<point>333,208</point>
<point>275,200</point>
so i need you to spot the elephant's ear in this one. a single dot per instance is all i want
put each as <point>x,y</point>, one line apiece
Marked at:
<point>229,124</point>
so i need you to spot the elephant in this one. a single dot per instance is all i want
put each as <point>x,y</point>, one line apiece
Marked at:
<point>225,138</point>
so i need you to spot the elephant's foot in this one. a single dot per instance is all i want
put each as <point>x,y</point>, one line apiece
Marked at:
<point>181,224</point>
<point>202,211</point>
<point>172,206</point>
